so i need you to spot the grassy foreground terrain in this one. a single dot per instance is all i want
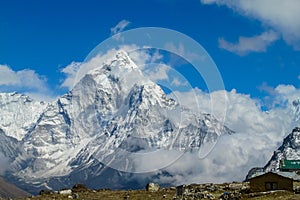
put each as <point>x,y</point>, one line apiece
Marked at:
<point>210,191</point>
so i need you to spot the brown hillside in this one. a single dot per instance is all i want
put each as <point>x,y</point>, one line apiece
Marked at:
<point>8,190</point>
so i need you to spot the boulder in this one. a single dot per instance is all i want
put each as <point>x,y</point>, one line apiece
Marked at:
<point>46,192</point>
<point>75,195</point>
<point>235,186</point>
<point>152,187</point>
<point>297,190</point>
<point>79,188</point>
<point>65,192</point>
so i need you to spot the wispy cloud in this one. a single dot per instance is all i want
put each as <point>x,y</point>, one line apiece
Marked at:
<point>119,27</point>
<point>178,82</point>
<point>182,51</point>
<point>157,72</point>
<point>246,45</point>
<point>264,87</point>
<point>115,31</point>
<point>282,16</point>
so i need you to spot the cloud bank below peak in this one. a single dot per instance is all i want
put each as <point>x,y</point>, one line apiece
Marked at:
<point>257,134</point>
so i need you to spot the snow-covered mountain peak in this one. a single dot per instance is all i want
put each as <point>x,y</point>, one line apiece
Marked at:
<point>289,150</point>
<point>106,72</point>
<point>118,61</point>
<point>112,111</point>
<point>123,60</point>
<point>18,113</point>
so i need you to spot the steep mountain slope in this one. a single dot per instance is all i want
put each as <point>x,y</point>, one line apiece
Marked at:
<point>113,120</point>
<point>290,150</point>
<point>8,190</point>
<point>18,114</point>
<point>8,146</point>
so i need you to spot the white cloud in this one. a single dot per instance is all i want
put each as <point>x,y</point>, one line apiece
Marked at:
<point>156,72</point>
<point>24,78</point>
<point>119,27</point>
<point>177,82</point>
<point>282,16</point>
<point>257,134</point>
<point>230,160</point>
<point>243,114</point>
<point>247,45</point>
<point>282,95</point>
<point>70,71</point>
<point>166,76</point>
<point>26,81</point>
<point>139,57</point>
<point>180,50</point>
<point>115,31</point>
<point>156,57</point>
<point>286,95</point>
<point>264,87</point>
<point>287,90</point>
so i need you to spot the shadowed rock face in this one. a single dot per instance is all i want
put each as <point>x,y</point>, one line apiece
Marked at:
<point>8,190</point>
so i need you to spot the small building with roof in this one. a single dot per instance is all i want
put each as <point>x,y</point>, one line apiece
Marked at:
<point>263,182</point>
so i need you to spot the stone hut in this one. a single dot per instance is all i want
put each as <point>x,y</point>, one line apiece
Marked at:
<point>271,181</point>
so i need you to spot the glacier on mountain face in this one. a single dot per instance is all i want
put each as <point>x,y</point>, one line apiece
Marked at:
<point>112,120</point>
<point>18,113</point>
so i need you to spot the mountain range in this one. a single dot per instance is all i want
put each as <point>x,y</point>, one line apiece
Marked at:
<point>114,122</point>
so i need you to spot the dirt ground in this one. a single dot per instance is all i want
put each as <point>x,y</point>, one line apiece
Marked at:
<point>208,191</point>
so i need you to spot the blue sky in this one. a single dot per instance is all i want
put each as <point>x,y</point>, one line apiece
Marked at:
<point>255,48</point>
